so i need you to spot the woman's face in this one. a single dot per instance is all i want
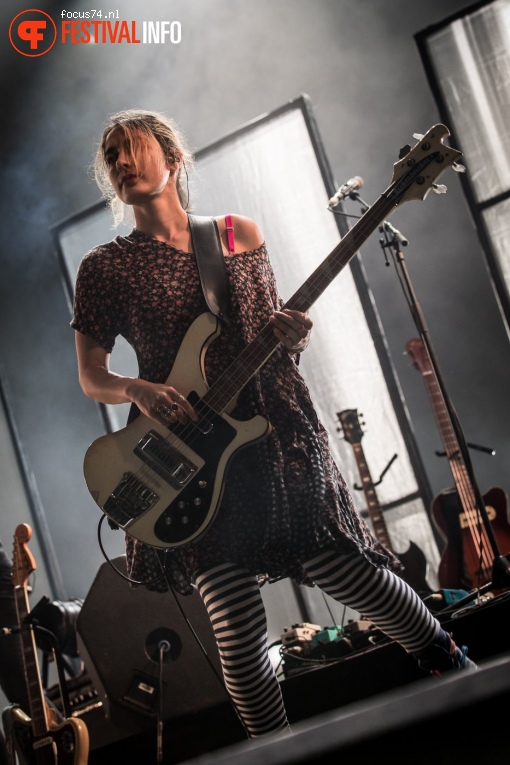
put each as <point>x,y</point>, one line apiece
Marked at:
<point>133,181</point>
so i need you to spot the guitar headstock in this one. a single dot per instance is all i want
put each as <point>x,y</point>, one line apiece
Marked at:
<point>351,425</point>
<point>23,562</point>
<point>419,167</point>
<point>417,351</point>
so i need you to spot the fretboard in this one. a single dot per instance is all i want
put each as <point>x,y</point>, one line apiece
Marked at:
<point>374,508</point>
<point>31,664</point>
<point>228,386</point>
<point>450,441</point>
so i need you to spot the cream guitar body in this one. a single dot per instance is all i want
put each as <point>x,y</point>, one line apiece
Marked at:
<point>163,485</point>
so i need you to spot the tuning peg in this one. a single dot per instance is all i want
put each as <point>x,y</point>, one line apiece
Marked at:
<point>439,188</point>
<point>404,151</point>
<point>455,166</point>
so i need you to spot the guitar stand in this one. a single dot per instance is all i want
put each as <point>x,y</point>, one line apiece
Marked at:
<point>394,240</point>
<point>31,624</point>
<point>376,483</point>
<point>50,637</point>
<point>501,565</point>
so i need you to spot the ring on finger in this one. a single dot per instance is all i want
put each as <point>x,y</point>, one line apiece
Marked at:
<point>174,407</point>
<point>164,411</point>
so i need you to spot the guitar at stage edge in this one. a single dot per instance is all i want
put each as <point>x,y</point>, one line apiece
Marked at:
<point>414,561</point>
<point>163,485</point>
<point>466,562</point>
<point>38,739</point>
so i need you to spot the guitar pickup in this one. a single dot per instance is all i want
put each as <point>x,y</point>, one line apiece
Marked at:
<point>165,460</point>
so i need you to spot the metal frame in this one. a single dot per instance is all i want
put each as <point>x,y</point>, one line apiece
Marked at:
<point>500,287</point>
<point>34,502</point>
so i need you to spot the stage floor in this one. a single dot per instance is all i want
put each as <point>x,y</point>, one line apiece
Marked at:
<point>375,704</point>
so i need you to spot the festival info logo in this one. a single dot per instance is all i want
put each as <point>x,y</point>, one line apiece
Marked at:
<point>32,33</point>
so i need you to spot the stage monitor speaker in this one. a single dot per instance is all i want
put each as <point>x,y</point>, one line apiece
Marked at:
<point>123,632</point>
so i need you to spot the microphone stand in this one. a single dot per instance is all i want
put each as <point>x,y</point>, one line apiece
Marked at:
<point>393,240</point>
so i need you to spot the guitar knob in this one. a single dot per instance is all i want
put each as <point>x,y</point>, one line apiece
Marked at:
<point>67,742</point>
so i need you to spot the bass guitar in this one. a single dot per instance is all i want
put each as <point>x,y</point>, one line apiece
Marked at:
<point>414,560</point>
<point>467,559</point>
<point>163,484</point>
<point>38,739</point>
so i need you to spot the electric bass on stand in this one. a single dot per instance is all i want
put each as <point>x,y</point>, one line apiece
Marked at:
<point>38,739</point>
<point>163,485</point>
<point>467,560</point>
<point>414,560</point>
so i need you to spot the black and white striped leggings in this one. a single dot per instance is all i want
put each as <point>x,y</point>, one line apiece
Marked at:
<point>234,604</point>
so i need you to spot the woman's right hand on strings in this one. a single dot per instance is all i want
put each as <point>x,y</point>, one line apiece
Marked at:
<point>162,403</point>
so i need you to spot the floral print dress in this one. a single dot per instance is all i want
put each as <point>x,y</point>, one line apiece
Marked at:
<point>284,498</point>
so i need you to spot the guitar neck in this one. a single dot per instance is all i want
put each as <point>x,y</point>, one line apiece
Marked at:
<point>374,508</point>
<point>256,354</point>
<point>38,712</point>
<point>413,178</point>
<point>449,439</point>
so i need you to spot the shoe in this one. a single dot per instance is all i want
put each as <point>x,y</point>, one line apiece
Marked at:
<point>443,655</point>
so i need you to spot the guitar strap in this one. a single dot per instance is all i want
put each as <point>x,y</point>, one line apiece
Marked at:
<point>206,242</point>
<point>211,263</point>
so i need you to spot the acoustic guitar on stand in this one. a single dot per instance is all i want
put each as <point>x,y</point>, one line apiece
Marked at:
<point>38,739</point>
<point>467,559</point>
<point>414,560</point>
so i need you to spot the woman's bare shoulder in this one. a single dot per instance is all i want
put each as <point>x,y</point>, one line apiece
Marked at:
<point>247,235</point>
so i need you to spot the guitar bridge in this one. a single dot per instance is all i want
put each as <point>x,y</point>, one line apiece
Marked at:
<point>167,461</point>
<point>128,500</point>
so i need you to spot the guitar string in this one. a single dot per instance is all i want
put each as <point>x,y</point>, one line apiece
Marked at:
<point>479,537</point>
<point>323,272</point>
<point>227,387</point>
<point>374,507</point>
<point>265,343</point>
<point>38,711</point>
<point>466,495</point>
<point>323,275</point>
<point>472,517</point>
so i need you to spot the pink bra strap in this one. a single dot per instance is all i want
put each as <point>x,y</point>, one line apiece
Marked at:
<point>230,234</point>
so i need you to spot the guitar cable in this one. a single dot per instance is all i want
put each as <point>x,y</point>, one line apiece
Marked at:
<point>127,578</point>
